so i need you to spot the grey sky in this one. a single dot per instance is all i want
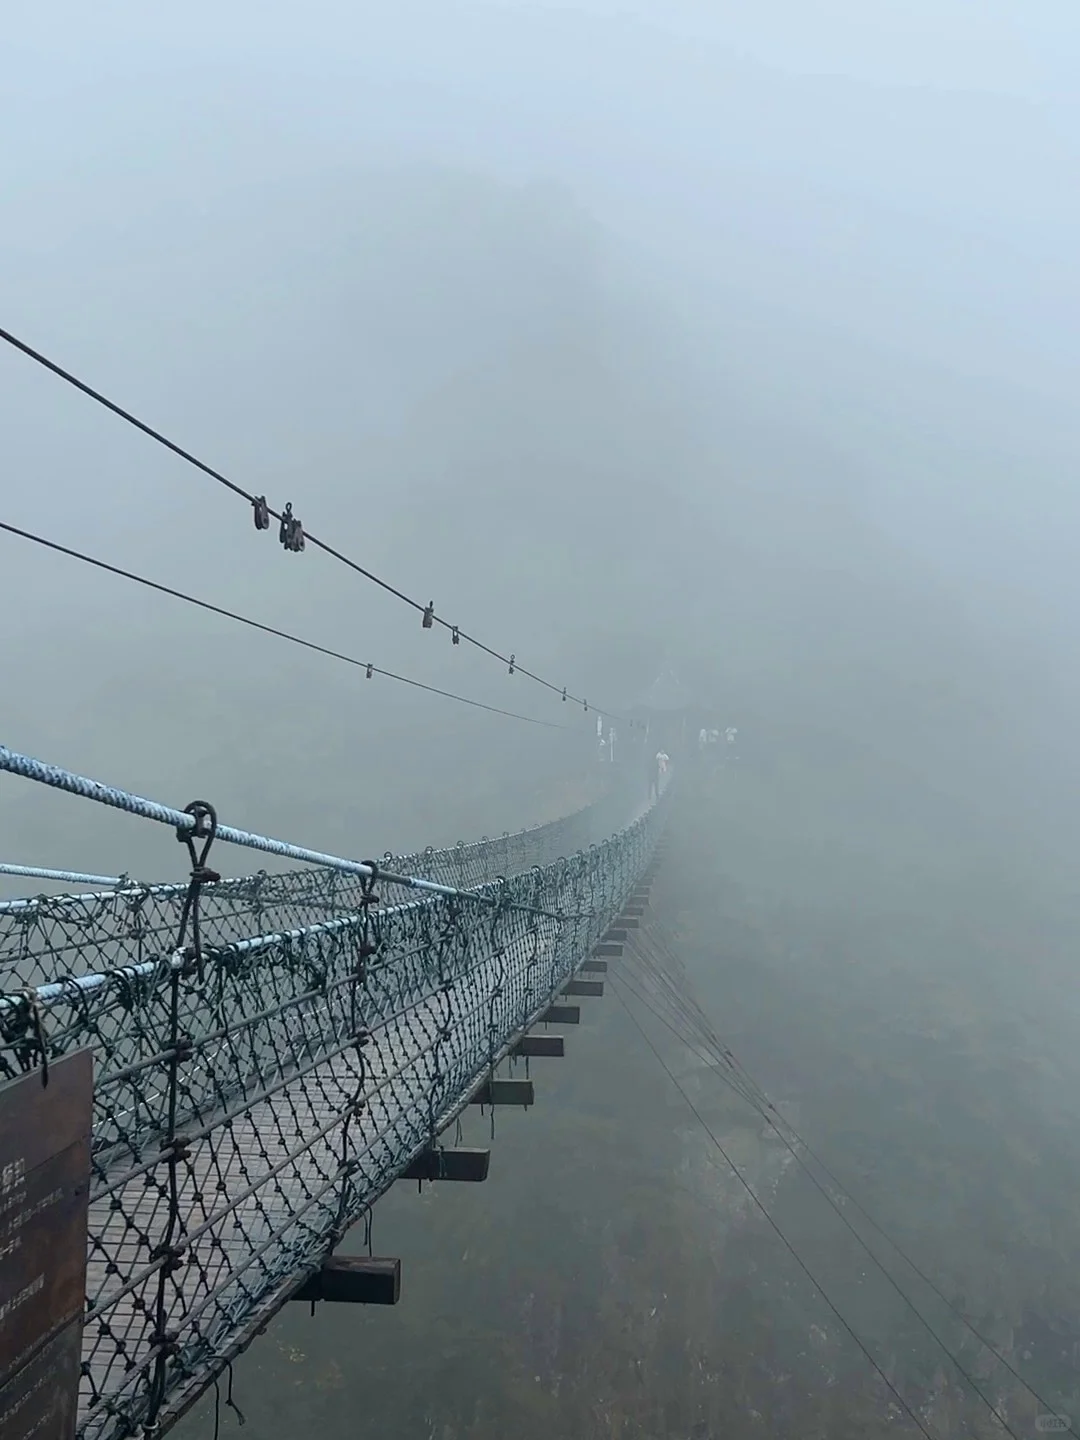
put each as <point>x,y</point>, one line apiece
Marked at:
<point>831,243</point>
<point>744,333</point>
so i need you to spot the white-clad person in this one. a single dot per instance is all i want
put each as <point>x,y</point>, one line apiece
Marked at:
<point>658,770</point>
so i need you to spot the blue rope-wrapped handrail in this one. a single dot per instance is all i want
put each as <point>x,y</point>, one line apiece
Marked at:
<point>57,778</point>
<point>63,877</point>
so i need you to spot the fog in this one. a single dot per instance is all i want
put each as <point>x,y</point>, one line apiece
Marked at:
<point>738,339</point>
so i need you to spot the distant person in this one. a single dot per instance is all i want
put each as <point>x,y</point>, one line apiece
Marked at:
<point>702,739</point>
<point>658,771</point>
<point>654,778</point>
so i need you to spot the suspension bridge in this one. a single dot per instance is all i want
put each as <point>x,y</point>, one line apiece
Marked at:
<point>211,1082</point>
<point>205,1085</point>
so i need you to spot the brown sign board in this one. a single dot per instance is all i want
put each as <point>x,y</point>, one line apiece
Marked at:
<point>44,1201</point>
<point>41,1401</point>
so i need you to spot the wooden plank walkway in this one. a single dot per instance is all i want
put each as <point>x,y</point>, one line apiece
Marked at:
<point>258,1197</point>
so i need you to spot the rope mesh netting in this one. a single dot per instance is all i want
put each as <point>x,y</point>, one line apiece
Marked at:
<point>106,929</point>
<point>486,859</point>
<point>270,1054</point>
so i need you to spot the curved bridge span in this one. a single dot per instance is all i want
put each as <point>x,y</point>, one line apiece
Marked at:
<point>271,1053</point>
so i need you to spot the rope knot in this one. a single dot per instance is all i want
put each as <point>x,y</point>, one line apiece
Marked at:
<point>204,827</point>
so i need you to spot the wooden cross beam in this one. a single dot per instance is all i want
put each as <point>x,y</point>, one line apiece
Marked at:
<point>354,1280</point>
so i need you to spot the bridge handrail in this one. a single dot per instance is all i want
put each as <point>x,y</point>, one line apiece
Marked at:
<point>307,1065</point>
<point>133,920</point>
<point>476,861</point>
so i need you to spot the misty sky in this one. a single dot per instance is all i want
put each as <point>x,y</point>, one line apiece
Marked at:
<point>738,334</point>
<point>584,317</point>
